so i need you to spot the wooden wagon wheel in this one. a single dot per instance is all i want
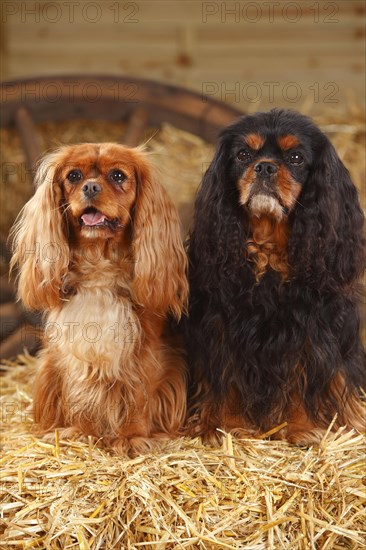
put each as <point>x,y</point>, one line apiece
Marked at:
<point>138,102</point>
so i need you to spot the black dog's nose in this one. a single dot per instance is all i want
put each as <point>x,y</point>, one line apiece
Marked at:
<point>265,168</point>
<point>91,188</point>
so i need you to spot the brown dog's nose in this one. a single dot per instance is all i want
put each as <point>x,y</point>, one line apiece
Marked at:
<point>91,188</point>
<point>265,168</point>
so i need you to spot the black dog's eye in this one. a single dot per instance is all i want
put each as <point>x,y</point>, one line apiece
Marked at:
<point>74,176</point>
<point>244,155</point>
<point>117,176</point>
<point>296,158</point>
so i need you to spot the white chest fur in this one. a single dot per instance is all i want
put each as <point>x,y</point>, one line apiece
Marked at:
<point>96,332</point>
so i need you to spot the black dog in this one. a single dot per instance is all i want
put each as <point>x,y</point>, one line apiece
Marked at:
<point>275,252</point>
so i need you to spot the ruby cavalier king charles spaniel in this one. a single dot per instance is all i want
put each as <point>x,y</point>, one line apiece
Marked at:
<point>98,249</point>
<point>275,253</point>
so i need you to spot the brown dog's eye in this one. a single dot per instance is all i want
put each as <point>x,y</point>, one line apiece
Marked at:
<point>296,158</point>
<point>74,176</point>
<point>244,155</point>
<point>117,176</point>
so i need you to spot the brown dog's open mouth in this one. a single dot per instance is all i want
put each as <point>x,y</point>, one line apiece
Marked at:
<point>93,218</point>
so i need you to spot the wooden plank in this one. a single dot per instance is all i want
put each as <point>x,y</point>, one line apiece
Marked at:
<point>204,64</point>
<point>156,56</point>
<point>208,66</point>
<point>34,39</point>
<point>160,30</point>
<point>55,33</point>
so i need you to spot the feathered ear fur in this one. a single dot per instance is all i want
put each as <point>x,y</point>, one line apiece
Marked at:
<point>40,249</point>
<point>217,242</point>
<point>327,244</point>
<point>160,282</point>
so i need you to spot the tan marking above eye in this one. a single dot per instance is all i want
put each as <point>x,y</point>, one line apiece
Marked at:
<point>254,141</point>
<point>288,142</point>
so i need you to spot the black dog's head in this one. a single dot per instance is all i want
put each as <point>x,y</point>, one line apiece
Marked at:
<point>271,155</point>
<point>279,165</point>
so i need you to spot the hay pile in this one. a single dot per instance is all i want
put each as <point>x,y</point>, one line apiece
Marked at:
<point>253,494</point>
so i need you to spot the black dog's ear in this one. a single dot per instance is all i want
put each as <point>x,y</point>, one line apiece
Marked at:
<point>327,244</point>
<point>217,237</point>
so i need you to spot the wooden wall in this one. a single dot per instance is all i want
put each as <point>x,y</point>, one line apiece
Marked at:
<point>253,54</point>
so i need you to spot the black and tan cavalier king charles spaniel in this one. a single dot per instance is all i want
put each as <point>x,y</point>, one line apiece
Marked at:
<point>275,253</point>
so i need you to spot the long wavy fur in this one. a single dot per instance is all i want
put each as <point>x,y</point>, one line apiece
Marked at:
<point>277,342</point>
<point>124,381</point>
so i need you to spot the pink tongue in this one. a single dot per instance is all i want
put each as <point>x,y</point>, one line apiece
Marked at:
<point>93,218</point>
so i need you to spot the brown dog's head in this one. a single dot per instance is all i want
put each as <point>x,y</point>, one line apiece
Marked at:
<point>99,187</point>
<point>94,193</point>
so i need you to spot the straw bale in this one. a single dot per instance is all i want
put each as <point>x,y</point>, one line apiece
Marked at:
<point>252,494</point>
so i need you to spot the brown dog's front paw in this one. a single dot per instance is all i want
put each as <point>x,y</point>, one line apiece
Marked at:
<point>136,446</point>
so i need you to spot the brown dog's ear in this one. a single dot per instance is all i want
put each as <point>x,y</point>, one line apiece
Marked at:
<point>40,249</point>
<point>160,282</point>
